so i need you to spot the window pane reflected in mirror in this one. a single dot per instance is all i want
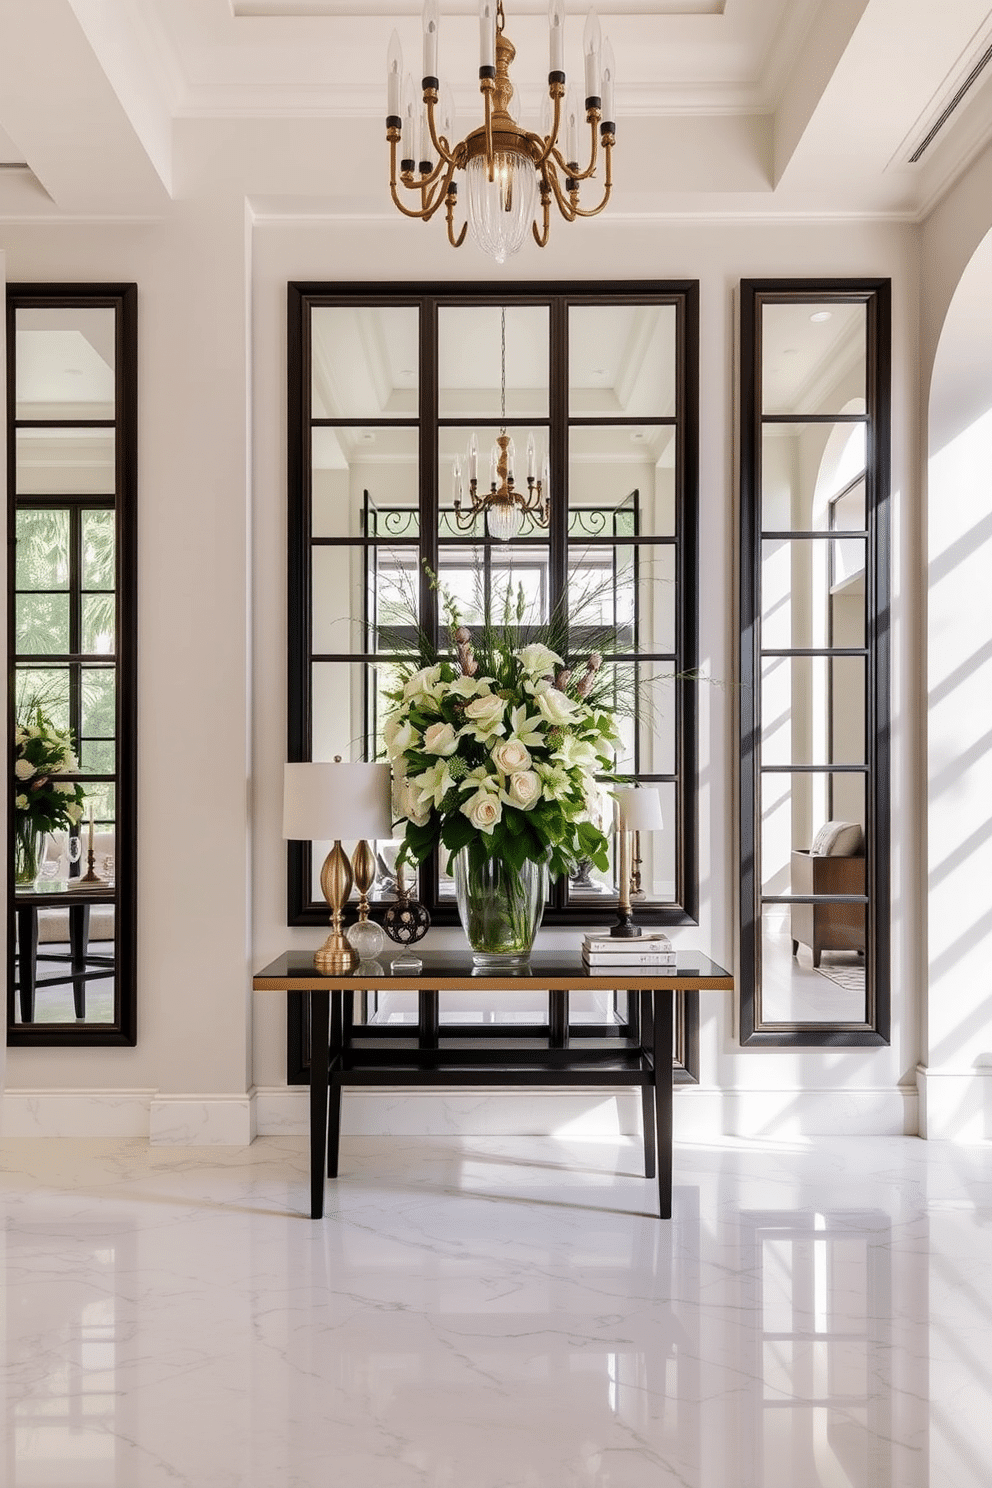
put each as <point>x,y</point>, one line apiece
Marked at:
<point>67,462</point>
<point>621,361</point>
<point>813,710</point>
<point>793,990</point>
<point>365,482</point>
<point>42,624</point>
<point>813,357</point>
<point>801,811</point>
<point>812,477</point>
<point>364,361</point>
<point>65,361</point>
<point>623,470</point>
<point>42,548</point>
<point>507,581</point>
<point>363,599</point>
<point>470,361</point>
<point>812,593</point>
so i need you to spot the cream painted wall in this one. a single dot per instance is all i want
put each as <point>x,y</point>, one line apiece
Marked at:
<point>956,1067</point>
<point>213,605</point>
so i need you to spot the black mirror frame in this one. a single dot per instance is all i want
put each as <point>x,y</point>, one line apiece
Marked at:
<point>875,294</point>
<point>123,299</point>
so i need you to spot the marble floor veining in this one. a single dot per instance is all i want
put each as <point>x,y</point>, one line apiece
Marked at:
<point>497,1313</point>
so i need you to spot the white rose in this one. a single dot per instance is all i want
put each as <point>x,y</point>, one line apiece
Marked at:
<point>406,804</point>
<point>441,739</point>
<point>24,769</point>
<point>398,734</point>
<point>483,810</point>
<point>536,659</point>
<point>524,789</point>
<point>21,802</point>
<point>485,715</point>
<point>74,813</point>
<point>556,707</point>
<point>510,755</point>
<point>65,789</point>
<point>423,685</point>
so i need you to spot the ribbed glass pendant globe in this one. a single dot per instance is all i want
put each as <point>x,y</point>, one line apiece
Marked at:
<point>500,211</point>
<point>504,520</point>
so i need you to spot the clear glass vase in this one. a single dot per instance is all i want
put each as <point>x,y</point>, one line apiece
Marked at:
<point>29,852</point>
<point>500,908</point>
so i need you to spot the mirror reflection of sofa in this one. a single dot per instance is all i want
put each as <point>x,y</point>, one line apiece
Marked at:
<point>835,864</point>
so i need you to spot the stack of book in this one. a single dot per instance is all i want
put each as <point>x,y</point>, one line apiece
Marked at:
<point>651,950</point>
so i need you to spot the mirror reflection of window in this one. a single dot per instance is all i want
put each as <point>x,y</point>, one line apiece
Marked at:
<point>814,510</point>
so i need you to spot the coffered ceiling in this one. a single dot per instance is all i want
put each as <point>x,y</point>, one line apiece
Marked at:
<point>726,108</point>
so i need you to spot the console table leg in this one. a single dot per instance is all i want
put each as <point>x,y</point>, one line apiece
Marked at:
<point>336,1062</point>
<point>663,1029</point>
<point>79,937</point>
<point>27,959</point>
<point>647,1096</point>
<point>319,1021</point>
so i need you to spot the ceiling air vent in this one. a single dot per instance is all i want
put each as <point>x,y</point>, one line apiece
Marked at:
<point>959,95</point>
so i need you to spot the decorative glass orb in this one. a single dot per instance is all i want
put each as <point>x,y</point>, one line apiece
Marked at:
<point>406,922</point>
<point>500,211</point>
<point>366,939</point>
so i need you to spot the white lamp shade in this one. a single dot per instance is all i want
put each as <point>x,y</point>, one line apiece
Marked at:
<point>639,808</point>
<point>336,802</point>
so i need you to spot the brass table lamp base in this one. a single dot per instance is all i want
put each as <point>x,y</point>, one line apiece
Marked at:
<point>335,955</point>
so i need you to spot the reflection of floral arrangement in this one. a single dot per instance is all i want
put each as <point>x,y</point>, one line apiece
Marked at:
<point>41,756</point>
<point>502,747</point>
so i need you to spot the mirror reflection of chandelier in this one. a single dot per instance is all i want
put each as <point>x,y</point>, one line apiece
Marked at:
<point>504,504</point>
<point>512,175</point>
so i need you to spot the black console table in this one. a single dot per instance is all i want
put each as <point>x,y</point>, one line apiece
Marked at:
<point>345,1053</point>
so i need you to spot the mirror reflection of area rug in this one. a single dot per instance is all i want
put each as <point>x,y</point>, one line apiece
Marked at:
<point>851,978</point>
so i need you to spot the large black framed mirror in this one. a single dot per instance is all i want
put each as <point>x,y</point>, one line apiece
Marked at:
<point>72,663</point>
<point>386,384</point>
<point>814,662</point>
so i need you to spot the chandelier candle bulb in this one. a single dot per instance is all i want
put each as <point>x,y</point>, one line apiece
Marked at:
<point>556,51</point>
<point>473,460</point>
<point>430,43</point>
<point>487,39</point>
<point>609,72</point>
<point>406,147</point>
<point>591,42</point>
<point>572,130</point>
<point>394,78</point>
<point>531,459</point>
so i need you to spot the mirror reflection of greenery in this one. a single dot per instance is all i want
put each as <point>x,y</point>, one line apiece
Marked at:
<point>43,580</point>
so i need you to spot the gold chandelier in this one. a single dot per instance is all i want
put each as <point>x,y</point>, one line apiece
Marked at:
<point>504,505</point>
<point>512,175</point>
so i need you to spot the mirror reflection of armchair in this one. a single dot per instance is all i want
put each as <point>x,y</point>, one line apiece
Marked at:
<point>835,864</point>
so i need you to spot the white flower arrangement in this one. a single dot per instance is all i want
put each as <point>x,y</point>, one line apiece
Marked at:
<point>42,754</point>
<point>502,748</point>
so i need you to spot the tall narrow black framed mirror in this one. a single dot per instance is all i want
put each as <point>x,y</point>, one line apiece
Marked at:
<point>814,662</point>
<point>72,640</point>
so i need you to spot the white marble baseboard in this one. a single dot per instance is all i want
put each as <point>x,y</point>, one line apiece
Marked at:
<point>955,1105</point>
<point>76,1113</point>
<point>233,1120</point>
<point>202,1121</point>
<point>699,1113</point>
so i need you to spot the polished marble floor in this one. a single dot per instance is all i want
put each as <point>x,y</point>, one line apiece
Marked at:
<point>497,1313</point>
